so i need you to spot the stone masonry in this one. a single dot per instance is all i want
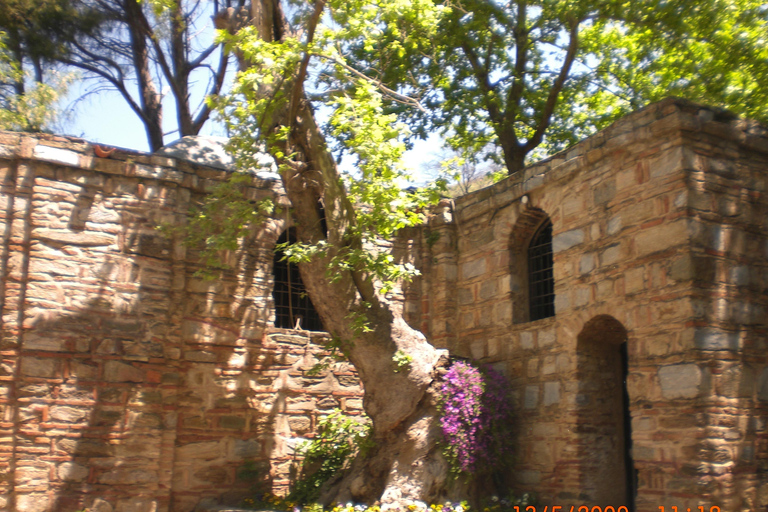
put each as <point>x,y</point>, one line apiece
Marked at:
<point>128,383</point>
<point>131,384</point>
<point>660,241</point>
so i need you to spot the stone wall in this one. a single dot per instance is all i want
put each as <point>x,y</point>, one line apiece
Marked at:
<point>131,384</point>
<point>660,241</point>
<point>128,383</point>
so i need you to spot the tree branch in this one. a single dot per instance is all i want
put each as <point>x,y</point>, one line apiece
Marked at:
<point>298,87</point>
<point>406,100</point>
<point>515,93</point>
<point>557,87</point>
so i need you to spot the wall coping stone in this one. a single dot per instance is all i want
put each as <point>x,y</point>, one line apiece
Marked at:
<point>678,114</point>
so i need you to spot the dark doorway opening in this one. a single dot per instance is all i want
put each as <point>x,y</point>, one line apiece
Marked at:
<point>629,466</point>
<point>604,421</point>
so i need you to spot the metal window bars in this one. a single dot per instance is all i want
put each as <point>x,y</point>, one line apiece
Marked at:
<point>541,282</point>
<point>293,307</point>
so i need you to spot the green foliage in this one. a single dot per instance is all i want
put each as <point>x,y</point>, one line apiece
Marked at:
<point>432,237</point>
<point>402,361</point>
<point>338,440</point>
<point>223,219</point>
<point>334,346</point>
<point>35,109</point>
<point>530,78</point>
<point>358,125</point>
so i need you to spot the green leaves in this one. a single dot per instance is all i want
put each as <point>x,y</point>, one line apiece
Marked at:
<point>36,108</point>
<point>222,221</point>
<point>356,121</point>
<point>339,438</point>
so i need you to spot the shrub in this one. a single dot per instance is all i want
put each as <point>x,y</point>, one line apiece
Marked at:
<point>476,419</point>
<point>339,438</point>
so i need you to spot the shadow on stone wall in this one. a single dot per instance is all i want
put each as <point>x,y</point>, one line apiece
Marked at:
<point>135,389</point>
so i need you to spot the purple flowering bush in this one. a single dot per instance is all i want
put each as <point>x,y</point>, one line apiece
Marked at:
<point>476,419</point>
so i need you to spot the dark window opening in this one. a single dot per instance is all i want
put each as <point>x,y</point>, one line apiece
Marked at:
<point>541,281</point>
<point>292,304</point>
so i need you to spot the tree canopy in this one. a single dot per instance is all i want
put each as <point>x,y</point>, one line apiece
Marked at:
<point>352,77</point>
<point>144,50</point>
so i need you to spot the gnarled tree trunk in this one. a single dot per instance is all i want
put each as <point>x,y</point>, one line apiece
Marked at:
<point>405,463</point>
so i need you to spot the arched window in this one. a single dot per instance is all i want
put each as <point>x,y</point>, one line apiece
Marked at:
<point>292,304</point>
<point>541,281</point>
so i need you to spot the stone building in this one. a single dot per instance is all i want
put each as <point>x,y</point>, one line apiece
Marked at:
<point>639,361</point>
<point>620,285</point>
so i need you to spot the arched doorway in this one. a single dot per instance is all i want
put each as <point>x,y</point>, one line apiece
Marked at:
<point>607,474</point>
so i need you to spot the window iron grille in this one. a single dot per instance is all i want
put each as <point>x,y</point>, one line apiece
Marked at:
<point>293,307</point>
<point>541,281</point>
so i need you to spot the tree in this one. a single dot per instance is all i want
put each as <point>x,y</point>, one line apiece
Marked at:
<point>33,34</point>
<point>34,109</point>
<point>525,75</point>
<point>533,77</point>
<point>156,45</point>
<point>469,171</point>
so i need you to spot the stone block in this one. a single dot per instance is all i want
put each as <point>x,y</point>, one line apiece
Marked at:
<point>85,448</point>
<point>562,302</point>
<point>72,472</point>
<point>39,367</point>
<point>67,414</point>
<point>78,238</point>
<point>488,289</point>
<point>739,276</point>
<point>587,263</point>
<point>216,475</point>
<point>582,296</point>
<point>526,340</point>
<point>551,393</point>
<point>128,476</point>
<point>567,239</point>
<point>100,505</point>
<point>547,337</point>
<point>57,155</point>
<point>115,371</point>
<point>232,422</point>
<point>614,225</point>
<point>604,289</point>
<point>533,367</point>
<point>137,505</point>
<point>531,399</point>
<point>47,342</point>
<point>680,380</point>
<point>673,160</point>
<point>611,255</point>
<point>604,192</point>
<point>465,296</point>
<point>762,389</point>
<point>247,448</point>
<point>710,338</point>
<point>548,368</point>
<point>737,381</point>
<point>661,237</point>
<point>473,268</point>
<point>37,502</point>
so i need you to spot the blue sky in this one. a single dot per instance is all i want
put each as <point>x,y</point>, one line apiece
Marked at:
<point>105,118</point>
